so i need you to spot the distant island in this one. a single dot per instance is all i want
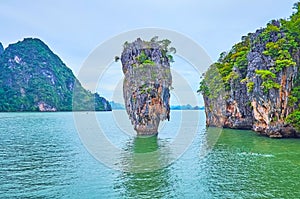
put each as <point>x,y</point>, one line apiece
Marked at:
<point>33,78</point>
<point>256,85</point>
<point>187,107</point>
<point>119,106</point>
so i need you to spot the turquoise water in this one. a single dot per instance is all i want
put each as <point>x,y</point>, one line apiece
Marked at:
<point>42,156</point>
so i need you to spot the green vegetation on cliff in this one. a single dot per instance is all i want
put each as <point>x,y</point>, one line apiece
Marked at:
<point>281,52</point>
<point>142,59</point>
<point>268,80</point>
<point>223,71</point>
<point>273,50</point>
<point>293,26</point>
<point>33,78</point>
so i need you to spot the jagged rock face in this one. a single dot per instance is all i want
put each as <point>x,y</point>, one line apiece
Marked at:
<point>230,109</point>
<point>215,111</point>
<point>257,109</point>
<point>270,109</point>
<point>146,87</point>
<point>234,112</point>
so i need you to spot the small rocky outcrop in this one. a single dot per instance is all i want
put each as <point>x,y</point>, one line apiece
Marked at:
<point>256,84</point>
<point>147,83</point>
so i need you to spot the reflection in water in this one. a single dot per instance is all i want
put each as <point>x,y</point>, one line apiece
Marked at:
<point>209,139</point>
<point>145,144</point>
<point>146,177</point>
<point>144,154</point>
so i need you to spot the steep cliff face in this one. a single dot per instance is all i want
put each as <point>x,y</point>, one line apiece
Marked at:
<point>255,84</point>
<point>147,83</point>
<point>33,78</point>
<point>271,104</point>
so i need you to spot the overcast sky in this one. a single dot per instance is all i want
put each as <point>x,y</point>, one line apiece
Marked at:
<point>73,29</point>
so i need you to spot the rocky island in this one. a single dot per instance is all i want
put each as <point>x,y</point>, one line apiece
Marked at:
<point>33,78</point>
<point>256,85</point>
<point>147,83</point>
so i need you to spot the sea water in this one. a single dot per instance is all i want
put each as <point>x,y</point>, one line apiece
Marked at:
<point>42,156</point>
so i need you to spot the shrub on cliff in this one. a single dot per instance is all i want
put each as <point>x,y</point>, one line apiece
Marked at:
<point>294,119</point>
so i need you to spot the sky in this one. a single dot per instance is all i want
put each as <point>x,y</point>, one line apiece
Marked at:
<point>74,29</point>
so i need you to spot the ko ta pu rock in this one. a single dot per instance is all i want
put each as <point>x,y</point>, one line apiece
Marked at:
<point>147,83</point>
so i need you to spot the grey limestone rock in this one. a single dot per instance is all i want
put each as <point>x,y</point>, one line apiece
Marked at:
<point>257,109</point>
<point>146,86</point>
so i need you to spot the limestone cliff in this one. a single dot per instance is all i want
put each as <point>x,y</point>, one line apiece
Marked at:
<point>256,84</point>
<point>33,78</point>
<point>147,83</point>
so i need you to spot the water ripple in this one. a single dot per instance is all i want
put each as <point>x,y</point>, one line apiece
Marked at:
<point>41,156</point>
